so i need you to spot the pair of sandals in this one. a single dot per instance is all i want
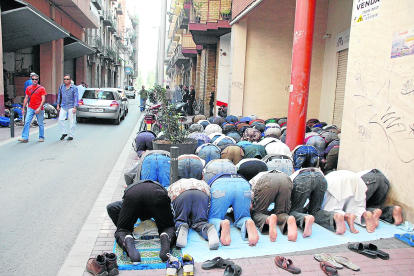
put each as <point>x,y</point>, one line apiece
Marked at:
<point>337,262</point>
<point>230,268</point>
<point>368,250</point>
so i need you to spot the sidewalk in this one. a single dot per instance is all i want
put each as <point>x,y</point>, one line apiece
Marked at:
<point>5,136</point>
<point>97,236</point>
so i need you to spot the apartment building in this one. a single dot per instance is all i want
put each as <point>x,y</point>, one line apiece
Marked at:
<point>90,40</point>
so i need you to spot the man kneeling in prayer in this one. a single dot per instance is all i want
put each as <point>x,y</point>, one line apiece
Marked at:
<point>346,195</point>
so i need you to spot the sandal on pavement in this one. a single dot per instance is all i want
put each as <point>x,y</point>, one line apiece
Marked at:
<point>286,264</point>
<point>329,269</point>
<point>406,238</point>
<point>327,258</point>
<point>381,254</point>
<point>232,270</point>
<point>347,263</point>
<point>217,262</point>
<point>359,248</point>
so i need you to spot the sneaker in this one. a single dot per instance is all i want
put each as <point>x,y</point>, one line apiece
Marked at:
<point>182,235</point>
<point>97,266</point>
<point>23,140</point>
<point>70,138</point>
<point>131,251</point>
<point>173,265</point>
<point>41,140</point>
<point>188,265</point>
<point>63,136</point>
<point>111,264</point>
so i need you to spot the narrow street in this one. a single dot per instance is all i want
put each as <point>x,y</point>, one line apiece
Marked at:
<point>47,191</point>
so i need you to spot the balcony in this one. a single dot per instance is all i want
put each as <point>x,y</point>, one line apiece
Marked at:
<point>189,48</point>
<point>95,42</point>
<point>97,4</point>
<point>119,9</point>
<point>109,53</point>
<point>178,58</point>
<point>209,19</point>
<point>109,21</point>
<point>182,20</point>
<point>80,11</point>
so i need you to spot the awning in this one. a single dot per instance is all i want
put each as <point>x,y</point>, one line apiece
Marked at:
<point>24,26</point>
<point>74,48</point>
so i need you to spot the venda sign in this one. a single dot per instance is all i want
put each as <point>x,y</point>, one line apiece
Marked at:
<point>365,10</point>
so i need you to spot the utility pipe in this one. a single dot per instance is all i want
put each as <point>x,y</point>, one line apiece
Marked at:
<point>300,72</point>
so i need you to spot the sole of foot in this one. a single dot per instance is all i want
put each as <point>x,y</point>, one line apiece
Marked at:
<point>252,232</point>
<point>309,220</point>
<point>340,224</point>
<point>350,220</point>
<point>369,221</point>
<point>292,229</point>
<point>376,214</point>
<point>397,215</point>
<point>225,237</point>
<point>272,227</point>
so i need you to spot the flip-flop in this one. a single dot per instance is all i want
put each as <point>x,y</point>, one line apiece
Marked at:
<point>327,258</point>
<point>405,238</point>
<point>359,248</point>
<point>217,262</point>
<point>347,263</point>
<point>287,265</point>
<point>381,254</point>
<point>329,269</point>
<point>232,270</point>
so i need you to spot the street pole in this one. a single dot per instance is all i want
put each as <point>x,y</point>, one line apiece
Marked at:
<point>12,122</point>
<point>174,165</point>
<point>161,55</point>
<point>300,75</point>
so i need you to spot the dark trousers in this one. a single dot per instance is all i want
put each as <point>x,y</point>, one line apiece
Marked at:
<point>272,188</point>
<point>211,110</point>
<point>192,207</point>
<point>144,201</point>
<point>378,186</point>
<point>312,186</point>
<point>190,110</point>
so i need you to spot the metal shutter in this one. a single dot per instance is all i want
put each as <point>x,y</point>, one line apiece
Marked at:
<point>340,88</point>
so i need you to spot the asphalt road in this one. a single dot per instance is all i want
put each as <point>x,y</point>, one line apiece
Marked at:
<point>47,190</point>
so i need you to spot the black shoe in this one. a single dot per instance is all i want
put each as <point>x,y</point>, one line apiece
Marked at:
<point>70,138</point>
<point>63,136</point>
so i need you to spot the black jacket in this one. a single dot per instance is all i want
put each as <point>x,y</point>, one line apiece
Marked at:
<point>212,98</point>
<point>191,96</point>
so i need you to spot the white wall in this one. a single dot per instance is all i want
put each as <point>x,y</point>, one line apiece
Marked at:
<point>223,69</point>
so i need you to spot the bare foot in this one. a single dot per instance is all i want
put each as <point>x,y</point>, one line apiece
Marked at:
<point>350,219</point>
<point>376,214</point>
<point>252,232</point>
<point>397,215</point>
<point>272,222</point>
<point>369,221</point>
<point>309,219</point>
<point>225,237</point>
<point>292,229</point>
<point>340,224</point>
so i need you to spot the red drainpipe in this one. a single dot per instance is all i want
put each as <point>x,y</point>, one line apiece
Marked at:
<point>300,76</point>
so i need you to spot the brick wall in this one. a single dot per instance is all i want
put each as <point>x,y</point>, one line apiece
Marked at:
<point>197,81</point>
<point>239,6</point>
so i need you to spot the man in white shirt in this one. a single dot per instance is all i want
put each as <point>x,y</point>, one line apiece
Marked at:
<point>81,90</point>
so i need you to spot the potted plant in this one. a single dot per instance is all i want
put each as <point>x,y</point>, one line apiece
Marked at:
<point>226,14</point>
<point>174,131</point>
<point>197,8</point>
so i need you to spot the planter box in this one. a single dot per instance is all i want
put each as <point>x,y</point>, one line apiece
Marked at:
<point>188,148</point>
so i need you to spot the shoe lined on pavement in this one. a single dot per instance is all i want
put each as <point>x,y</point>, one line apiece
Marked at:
<point>131,251</point>
<point>173,265</point>
<point>70,138</point>
<point>23,140</point>
<point>63,136</point>
<point>97,266</point>
<point>41,140</point>
<point>287,265</point>
<point>182,235</point>
<point>188,265</point>
<point>111,264</point>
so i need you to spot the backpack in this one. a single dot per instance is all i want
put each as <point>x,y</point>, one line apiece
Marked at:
<point>190,166</point>
<point>4,121</point>
<point>216,167</point>
<point>208,152</point>
<point>279,162</point>
<point>250,167</point>
<point>232,152</point>
<point>155,165</point>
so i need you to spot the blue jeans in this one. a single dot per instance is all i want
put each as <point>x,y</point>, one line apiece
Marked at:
<point>226,192</point>
<point>29,116</point>
<point>143,101</point>
<point>305,156</point>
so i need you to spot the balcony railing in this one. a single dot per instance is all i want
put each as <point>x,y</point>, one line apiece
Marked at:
<point>109,21</point>
<point>203,11</point>
<point>95,41</point>
<point>97,4</point>
<point>178,58</point>
<point>119,9</point>
<point>109,53</point>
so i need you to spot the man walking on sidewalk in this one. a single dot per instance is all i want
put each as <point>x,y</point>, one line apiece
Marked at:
<point>35,99</point>
<point>143,94</point>
<point>67,103</point>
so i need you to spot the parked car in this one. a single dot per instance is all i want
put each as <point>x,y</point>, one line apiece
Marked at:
<point>124,98</point>
<point>130,91</point>
<point>102,103</point>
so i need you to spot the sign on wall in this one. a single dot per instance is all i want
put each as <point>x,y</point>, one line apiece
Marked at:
<point>402,44</point>
<point>365,10</point>
<point>342,40</point>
